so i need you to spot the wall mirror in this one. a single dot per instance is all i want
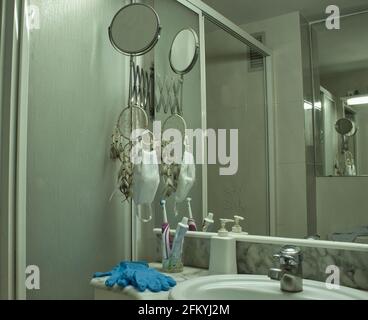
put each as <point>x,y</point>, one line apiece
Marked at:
<point>184,51</point>
<point>345,127</point>
<point>135,29</point>
<point>340,59</point>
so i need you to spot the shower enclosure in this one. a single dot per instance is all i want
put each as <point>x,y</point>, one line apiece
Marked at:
<point>62,105</point>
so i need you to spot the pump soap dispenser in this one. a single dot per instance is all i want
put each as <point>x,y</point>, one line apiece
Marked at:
<point>223,251</point>
<point>237,227</point>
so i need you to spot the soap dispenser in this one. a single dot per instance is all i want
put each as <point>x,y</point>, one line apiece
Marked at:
<point>223,251</point>
<point>237,227</point>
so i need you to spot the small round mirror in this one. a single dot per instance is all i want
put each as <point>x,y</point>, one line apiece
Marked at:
<point>345,127</point>
<point>135,29</point>
<point>184,51</point>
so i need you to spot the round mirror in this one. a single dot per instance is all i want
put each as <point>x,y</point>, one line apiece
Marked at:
<point>345,127</point>
<point>184,51</point>
<point>135,29</point>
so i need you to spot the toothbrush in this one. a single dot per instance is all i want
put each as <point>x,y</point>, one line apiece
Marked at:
<point>208,222</point>
<point>165,233</point>
<point>177,248</point>
<point>191,221</point>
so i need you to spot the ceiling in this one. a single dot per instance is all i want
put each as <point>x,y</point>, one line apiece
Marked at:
<point>343,50</point>
<point>339,50</point>
<point>245,11</point>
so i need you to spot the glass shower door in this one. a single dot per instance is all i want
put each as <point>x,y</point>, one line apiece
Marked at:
<point>236,100</point>
<point>77,89</point>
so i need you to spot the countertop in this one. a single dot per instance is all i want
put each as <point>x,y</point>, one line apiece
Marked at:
<point>131,293</point>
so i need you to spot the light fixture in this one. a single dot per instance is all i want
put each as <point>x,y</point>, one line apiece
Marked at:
<point>307,105</point>
<point>357,100</point>
<point>318,106</point>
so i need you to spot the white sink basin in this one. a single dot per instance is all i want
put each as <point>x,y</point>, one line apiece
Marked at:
<point>250,287</point>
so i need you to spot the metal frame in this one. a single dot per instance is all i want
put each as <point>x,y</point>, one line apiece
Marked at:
<point>22,144</point>
<point>212,15</point>
<point>230,27</point>
<point>146,49</point>
<point>202,53</point>
<point>333,245</point>
<point>343,16</point>
<point>271,146</point>
<point>13,92</point>
<point>194,58</point>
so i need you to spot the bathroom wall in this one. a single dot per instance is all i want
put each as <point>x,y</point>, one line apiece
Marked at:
<point>76,92</point>
<point>284,36</point>
<point>342,204</point>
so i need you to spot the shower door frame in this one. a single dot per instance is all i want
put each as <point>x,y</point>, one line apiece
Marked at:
<point>13,123</point>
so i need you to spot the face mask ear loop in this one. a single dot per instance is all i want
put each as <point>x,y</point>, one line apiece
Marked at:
<point>176,209</point>
<point>139,214</point>
<point>113,194</point>
<point>186,143</point>
<point>151,145</point>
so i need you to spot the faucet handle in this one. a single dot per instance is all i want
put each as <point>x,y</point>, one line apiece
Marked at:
<point>290,260</point>
<point>290,272</point>
<point>277,256</point>
<point>285,259</point>
<point>289,255</point>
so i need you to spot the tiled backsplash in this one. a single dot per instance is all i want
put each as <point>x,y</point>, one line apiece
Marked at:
<point>196,252</point>
<point>255,258</point>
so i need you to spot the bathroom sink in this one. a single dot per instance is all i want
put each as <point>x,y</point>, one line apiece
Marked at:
<point>250,287</point>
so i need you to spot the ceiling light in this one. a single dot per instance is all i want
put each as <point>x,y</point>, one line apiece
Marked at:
<point>355,101</point>
<point>308,105</point>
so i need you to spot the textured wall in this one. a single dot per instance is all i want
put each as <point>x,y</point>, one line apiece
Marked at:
<point>76,92</point>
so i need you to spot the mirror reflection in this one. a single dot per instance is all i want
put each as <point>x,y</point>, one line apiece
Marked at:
<point>341,116</point>
<point>184,51</point>
<point>135,29</point>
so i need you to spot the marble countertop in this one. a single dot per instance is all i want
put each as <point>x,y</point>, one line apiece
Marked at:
<point>131,293</point>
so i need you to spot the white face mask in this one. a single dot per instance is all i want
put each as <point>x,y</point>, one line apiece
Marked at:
<point>146,179</point>
<point>186,178</point>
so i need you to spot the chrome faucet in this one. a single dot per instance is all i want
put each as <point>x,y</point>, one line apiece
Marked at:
<point>290,273</point>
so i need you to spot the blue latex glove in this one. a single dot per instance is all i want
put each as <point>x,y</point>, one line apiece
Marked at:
<point>152,280</point>
<point>122,273</point>
<point>139,275</point>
